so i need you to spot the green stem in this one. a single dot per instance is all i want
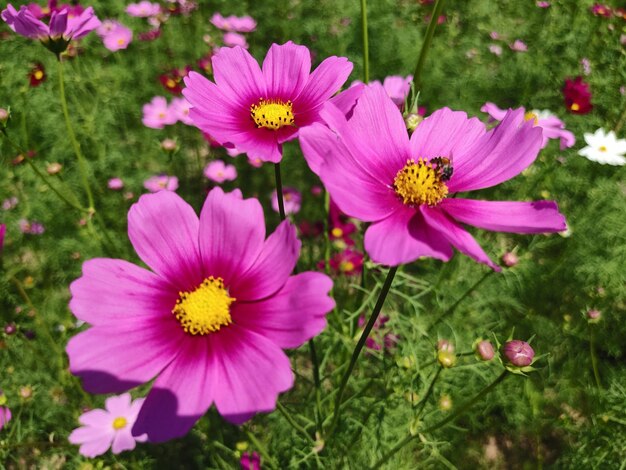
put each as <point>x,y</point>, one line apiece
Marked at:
<point>262,450</point>
<point>42,176</point>
<point>620,120</point>
<point>430,32</point>
<point>293,422</point>
<point>82,164</point>
<point>366,49</point>
<point>467,405</point>
<point>318,387</point>
<point>327,230</point>
<point>594,356</point>
<point>429,392</point>
<point>279,191</point>
<point>359,346</point>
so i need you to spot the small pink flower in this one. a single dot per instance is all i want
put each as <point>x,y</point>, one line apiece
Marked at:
<point>10,203</point>
<point>594,315</point>
<point>158,114</point>
<point>106,27</point>
<point>543,4</point>
<point>348,262</point>
<point>31,228</point>
<point>108,428</point>
<point>495,35</point>
<point>143,9</point>
<point>380,338</point>
<point>118,38</point>
<point>235,39</point>
<point>250,461</point>
<point>291,198</point>
<point>179,108</point>
<point>601,10</point>
<point>518,46</point>
<point>161,182</point>
<point>5,416</point>
<point>495,49</point>
<point>244,24</point>
<point>115,184</point>
<point>586,65</point>
<point>219,172</point>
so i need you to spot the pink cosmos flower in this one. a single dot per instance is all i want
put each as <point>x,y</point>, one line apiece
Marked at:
<point>244,24</point>
<point>158,183</point>
<point>10,203</point>
<point>115,184</point>
<point>158,114</point>
<point>55,35</point>
<point>219,172</point>
<point>209,321</point>
<point>518,46</point>
<point>179,108</point>
<point>398,88</point>
<point>143,9</point>
<point>552,126</point>
<point>348,262</point>
<point>375,173</point>
<point>235,39</point>
<point>250,461</point>
<point>292,199</point>
<point>118,38</point>
<point>5,416</point>
<point>599,9</point>
<point>109,428</point>
<point>255,109</point>
<point>31,228</point>
<point>106,27</point>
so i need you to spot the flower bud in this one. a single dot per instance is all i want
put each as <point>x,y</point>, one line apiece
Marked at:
<point>519,353</point>
<point>446,359</point>
<point>10,328</point>
<point>484,350</point>
<point>4,116</point>
<point>594,316</point>
<point>169,145</point>
<point>412,121</point>
<point>54,168</point>
<point>445,403</point>
<point>510,259</point>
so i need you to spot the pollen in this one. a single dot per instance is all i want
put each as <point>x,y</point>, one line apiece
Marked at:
<point>575,107</point>
<point>120,42</point>
<point>530,115</point>
<point>272,114</point>
<point>346,266</point>
<point>420,183</point>
<point>119,423</point>
<point>336,232</point>
<point>38,74</point>
<point>206,309</point>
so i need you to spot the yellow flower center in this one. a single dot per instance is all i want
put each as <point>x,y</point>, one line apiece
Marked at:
<point>336,232</point>
<point>170,83</point>
<point>530,115</point>
<point>602,148</point>
<point>346,266</point>
<point>206,309</point>
<point>120,42</point>
<point>575,107</point>
<point>119,423</point>
<point>272,114</point>
<point>38,74</point>
<point>420,183</point>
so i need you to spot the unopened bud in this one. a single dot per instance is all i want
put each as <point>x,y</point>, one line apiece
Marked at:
<point>4,116</point>
<point>594,315</point>
<point>446,359</point>
<point>54,168</point>
<point>484,350</point>
<point>169,145</point>
<point>510,259</point>
<point>412,121</point>
<point>519,353</point>
<point>445,403</point>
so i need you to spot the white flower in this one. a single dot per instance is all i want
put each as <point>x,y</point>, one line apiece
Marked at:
<point>604,148</point>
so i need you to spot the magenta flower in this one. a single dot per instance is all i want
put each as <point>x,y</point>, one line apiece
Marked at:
<point>219,172</point>
<point>5,416</point>
<point>115,184</point>
<point>143,9</point>
<point>157,183</point>
<point>56,35</point>
<point>518,46</point>
<point>292,199</point>
<point>348,262</point>
<point>158,114</point>
<point>179,108</point>
<point>375,173</point>
<point>551,126</point>
<point>108,428</point>
<point>209,321</point>
<point>244,24</point>
<point>257,110</point>
<point>235,39</point>
<point>250,461</point>
<point>118,38</point>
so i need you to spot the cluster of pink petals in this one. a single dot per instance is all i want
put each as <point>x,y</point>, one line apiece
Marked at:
<point>31,227</point>
<point>218,171</point>
<point>518,46</point>
<point>157,183</point>
<point>143,9</point>
<point>61,24</point>
<point>222,109</point>
<point>358,160</point>
<point>235,39</point>
<point>551,126</point>
<point>134,337</point>
<point>380,338</point>
<point>243,24</point>
<point>397,87</point>
<point>250,461</point>
<point>115,184</point>
<point>5,416</point>
<point>114,35</point>
<point>158,113</point>
<point>99,430</point>
<point>292,200</point>
<point>347,262</point>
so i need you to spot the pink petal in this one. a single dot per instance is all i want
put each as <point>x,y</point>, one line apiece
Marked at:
<point>295,314</point>
<point>238,75</point>
<point>118,405</point>
<point>324,82</point>
<point>91,434</point>
<point>115,358</point>
<point>96,447</point>
<point>346,100</point>
<point>286,69</point>
<point>122,441</point>
<point>183,392</point>
<point>567,139</point>
<point>456,235</point>
<point>404,237</point>
<point>58,22</point>
<point>317,142</point>
<point>272,268</point>
<point>446,133</point>
<point>499,155</point>
<point>95,418</point>
<point>495,113</point>
<point>232,235</point>
<point>505,216</point>
<point>112,290</point>
<point>163,229</point>
<point>251,371</point>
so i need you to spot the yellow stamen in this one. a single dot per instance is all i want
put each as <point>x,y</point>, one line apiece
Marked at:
<point>119,423</point>
<point>272,114</point>
<point>530,115</point>
<point>336,232</point>
<point>346,266</point>
<point>206,309</point>
<point>38,74</point>
<point>575,107</point>
<point>602,148</point>
<point>170,83</point>
<point>120,42</point>
<point>420,183</point>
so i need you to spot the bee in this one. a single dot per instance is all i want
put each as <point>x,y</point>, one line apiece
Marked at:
<point>444,165</point>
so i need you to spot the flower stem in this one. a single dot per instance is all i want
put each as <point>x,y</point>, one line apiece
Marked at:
<point>594,356</point>
<point>359,346</point>
<point>279,191</point>
<point>620,120</point>
<point>430,31</point>
<point>429,392</point>
<point>467,405</point>
<point>82,164</point>
<point>366,49</point>
<point>293,422</point>
<point>327,230</point>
